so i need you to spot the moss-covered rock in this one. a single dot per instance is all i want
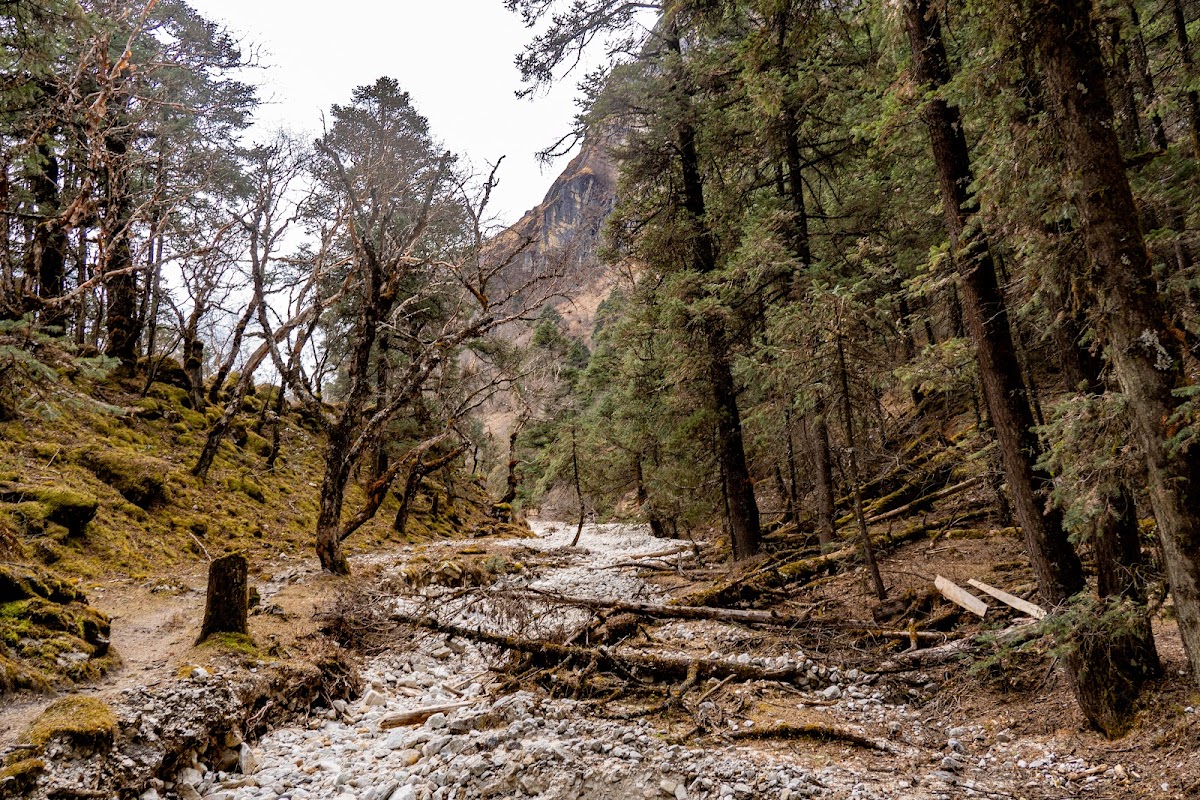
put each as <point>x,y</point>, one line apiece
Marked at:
<point>20,776</point>
<point>140,479</point>
<point>85,722</point>
<point>248,488</point>
<point>38,504</point>
<point>24,583</point>
<point>166,371</point>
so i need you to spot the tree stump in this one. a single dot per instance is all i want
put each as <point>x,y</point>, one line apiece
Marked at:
<point>228,597</point>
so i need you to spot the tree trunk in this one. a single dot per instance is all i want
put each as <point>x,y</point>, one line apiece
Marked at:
<point>855,477</point>
<point>333,495</point>
<point>744,528</point>
<point>657,529</point>
<point>193,366</point>
<point>1103,660</point>
<point>824,480</point>
<point>50,240</point>
<point>121,322</point>
<point>1130,314</point>
<point>1141,61</point>
<point>1192,97</point>
<point>228,597</point>
<point>578,487</point>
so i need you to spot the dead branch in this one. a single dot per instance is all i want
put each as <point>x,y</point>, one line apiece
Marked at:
<point>743,616</point>
<point>661,666</point>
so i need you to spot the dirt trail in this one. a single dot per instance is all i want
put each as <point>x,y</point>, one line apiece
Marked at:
<point>151,631</point>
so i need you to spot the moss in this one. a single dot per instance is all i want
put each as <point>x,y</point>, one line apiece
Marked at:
<point>257,444</point>
<point>21,775</point>
<point>140,479</point>
<point>248,488</point>
<point>70,509</point>
<point>167,372</point>
<point>22,583</point>
<point>238,643</point>
<point>82,721</point>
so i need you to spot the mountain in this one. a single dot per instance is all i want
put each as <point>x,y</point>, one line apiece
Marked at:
<point>563,234</point>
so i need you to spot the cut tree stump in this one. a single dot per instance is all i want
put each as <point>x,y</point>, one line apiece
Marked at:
<point>228,597</point>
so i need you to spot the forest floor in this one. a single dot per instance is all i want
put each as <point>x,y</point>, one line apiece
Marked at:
<point>1007,729</point>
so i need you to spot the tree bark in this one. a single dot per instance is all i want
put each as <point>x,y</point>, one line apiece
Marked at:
<point>228,596</point>
<point>744,527</point>
<point>1101,659</point>
<point>1129,312</point>
<point>824,480</point>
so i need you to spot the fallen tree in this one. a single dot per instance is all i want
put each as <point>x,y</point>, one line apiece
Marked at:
<point>744,616</point>
<point>658,666</point>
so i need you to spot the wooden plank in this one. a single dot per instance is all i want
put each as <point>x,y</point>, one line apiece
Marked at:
<point>1035,611</point>
<point>956,594</point>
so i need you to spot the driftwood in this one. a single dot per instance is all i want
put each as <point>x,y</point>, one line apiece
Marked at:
<point>745,616</point>
<point>665,667</point>
<point>416,716</point>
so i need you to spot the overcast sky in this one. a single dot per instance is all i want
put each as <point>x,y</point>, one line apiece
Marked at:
<point>455,57</point>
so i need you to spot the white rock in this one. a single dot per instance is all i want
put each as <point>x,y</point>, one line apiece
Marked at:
<point>831,692</point>
<point>373,698</point>
<point>247,762</point>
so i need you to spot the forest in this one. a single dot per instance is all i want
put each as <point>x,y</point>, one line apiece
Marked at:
<point>863,257</point>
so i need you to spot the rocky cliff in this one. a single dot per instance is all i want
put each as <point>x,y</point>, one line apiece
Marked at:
<point>563,233</point>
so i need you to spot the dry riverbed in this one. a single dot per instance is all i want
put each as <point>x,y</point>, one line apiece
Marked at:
<point>434,723</point>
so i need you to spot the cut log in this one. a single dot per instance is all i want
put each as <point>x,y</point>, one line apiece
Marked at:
<point>1033,610</point>
<point>416,716</point>
<point>228,597</point>
<point>956,594</point>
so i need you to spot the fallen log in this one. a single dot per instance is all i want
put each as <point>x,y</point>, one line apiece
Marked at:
<point>810,730</point>
<point>745,616</point>
<point>774,576</point>
<point>667,667</point>
<point>416,716</point>
<point>933,497</point>
<point>913,660</point>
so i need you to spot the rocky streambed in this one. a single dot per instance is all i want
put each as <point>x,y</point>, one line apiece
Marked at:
<point>485,744</point>
<point>437,720</point>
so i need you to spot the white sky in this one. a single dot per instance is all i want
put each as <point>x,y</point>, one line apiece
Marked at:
<point>455,57</point>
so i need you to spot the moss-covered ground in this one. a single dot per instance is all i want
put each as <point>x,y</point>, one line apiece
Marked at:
<point>96,486</point>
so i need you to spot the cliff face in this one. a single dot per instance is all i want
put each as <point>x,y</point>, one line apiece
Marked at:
<point>562,234</point>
